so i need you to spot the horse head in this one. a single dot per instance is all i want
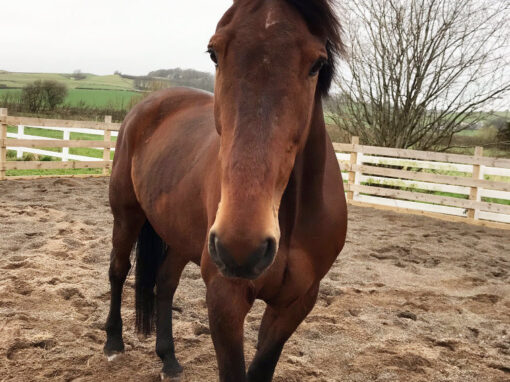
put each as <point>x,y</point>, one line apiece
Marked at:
<point>272,66</point>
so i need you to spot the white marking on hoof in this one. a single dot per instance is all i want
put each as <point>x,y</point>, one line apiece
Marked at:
<point>110,358</point>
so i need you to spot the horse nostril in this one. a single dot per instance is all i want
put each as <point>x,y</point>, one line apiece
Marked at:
<point>270,248</point>
<point>263,256</point>
<point>219,253</point>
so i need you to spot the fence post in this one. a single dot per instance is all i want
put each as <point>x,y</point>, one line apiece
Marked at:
<point>353,174</point>
<point>65,150</point>
<point>21,133</point>
<point>3,145</point>
<point>474,193</point>
<point>107,150</point>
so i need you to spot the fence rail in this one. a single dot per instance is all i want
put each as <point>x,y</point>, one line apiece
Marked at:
<point>61,123</point>
<point>470,188</point>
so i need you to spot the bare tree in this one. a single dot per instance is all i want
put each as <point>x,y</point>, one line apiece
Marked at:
<point>420,71</point>
<point>78,75</point>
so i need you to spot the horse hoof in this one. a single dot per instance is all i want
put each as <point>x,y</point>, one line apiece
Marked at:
<point>167,378</point>
<point>112,357</point>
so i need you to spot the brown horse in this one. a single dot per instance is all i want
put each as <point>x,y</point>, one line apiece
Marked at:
<point>244,183</point>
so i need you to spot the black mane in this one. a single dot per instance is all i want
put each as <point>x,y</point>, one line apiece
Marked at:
<point>323,21</point>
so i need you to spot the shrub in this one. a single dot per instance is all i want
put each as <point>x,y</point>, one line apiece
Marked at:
<point>55,93</point>
<point>32,96</point>
<point>40,95</point>
<point>504,135</point>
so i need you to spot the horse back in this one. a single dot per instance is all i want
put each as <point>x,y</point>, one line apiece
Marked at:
<point>166,149</point>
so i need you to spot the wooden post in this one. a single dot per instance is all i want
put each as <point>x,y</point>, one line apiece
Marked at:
<point>3,137</point>
<point>474,194</point>
<point>353,161</point>
<point>107,150</point>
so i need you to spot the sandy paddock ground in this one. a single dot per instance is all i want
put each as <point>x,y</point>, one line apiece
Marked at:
<point>409,299</point>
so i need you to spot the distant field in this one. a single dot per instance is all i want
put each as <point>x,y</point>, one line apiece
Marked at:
<point>110,82</point>
<point>94,98</point>
<point>100,98</point>
<point>93,91</point>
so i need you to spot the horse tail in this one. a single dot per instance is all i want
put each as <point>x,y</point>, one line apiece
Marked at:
<point>150,253</point>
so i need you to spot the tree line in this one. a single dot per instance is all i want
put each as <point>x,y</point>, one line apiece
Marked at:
<point>164,78</point>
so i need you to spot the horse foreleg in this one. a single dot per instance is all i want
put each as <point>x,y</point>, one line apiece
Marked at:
<point>124,235</point>
<point>228,302</point>
<point>277,326</point>
<point>167,282</point>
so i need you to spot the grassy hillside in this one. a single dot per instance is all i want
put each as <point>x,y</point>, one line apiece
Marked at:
<point>91,81</point>
<point>112,91</point>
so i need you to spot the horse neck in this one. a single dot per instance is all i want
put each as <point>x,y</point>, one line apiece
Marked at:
<point>304,192</point>
<point>312,160</point>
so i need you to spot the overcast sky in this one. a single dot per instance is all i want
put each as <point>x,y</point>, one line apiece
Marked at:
<point>101,36</point>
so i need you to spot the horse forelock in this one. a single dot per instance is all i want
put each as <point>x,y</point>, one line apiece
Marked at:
<point>322,20</point>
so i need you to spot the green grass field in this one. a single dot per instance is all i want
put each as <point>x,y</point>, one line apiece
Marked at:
<point>118,99</point>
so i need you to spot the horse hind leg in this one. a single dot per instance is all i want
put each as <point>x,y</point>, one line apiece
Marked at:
<point>167,281</point>
<point>126,227</point>
<point>157,265</point>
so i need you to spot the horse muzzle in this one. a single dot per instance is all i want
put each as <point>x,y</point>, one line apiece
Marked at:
<point>254,264</point>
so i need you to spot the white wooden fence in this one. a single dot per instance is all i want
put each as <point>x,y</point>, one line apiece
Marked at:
<point>418,180</point>
<point>22,142</point>
<point>66,132</point>
<point>405,180</point>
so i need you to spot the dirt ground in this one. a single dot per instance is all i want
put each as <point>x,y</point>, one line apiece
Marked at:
<point>409,299</point>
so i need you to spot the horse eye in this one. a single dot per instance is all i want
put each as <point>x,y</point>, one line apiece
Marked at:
<point>212,54</point>
<point>316,68</point>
